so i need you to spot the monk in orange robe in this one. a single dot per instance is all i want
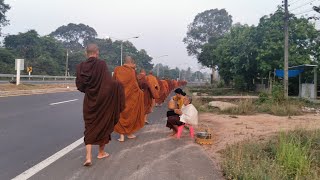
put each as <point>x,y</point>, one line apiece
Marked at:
<point>162,95</point>
<point>132,117</point>
<point>166,87</point>
<point>155,87</point>
<point>148,94</point>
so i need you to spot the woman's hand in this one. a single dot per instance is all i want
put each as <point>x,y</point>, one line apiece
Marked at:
<point>178,111</point>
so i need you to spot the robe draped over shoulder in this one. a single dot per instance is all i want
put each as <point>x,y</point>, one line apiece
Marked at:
<point>148,95</point>
<point>103,100</point>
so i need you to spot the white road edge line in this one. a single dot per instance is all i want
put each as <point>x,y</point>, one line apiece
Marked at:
<point>52,104</point>
<point>35,169</point>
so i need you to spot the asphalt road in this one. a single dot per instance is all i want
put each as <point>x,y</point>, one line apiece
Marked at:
<point>32,130</point>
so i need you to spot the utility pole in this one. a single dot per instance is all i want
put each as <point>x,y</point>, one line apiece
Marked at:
<point>158,70</point>
<point>121,52</point>
<point>67,62</point>
<point>286,49</point>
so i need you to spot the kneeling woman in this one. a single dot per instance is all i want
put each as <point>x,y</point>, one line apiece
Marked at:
<point>173,119</point>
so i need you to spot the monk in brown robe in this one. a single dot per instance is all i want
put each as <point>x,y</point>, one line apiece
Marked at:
<point>155,87</point>
<point>103,102</point>
<point>148,96</point>
<point>132,117</point>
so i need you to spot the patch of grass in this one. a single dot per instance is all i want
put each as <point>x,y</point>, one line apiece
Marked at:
<point>245,107</point>
<point>293,155</point>
<point>213,91</point>
<point>273,104</point>
<point>290,108</point>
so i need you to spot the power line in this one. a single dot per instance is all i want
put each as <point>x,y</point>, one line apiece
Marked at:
<point>304,12</point>
<point>294,2</point>
<point>303,5</point>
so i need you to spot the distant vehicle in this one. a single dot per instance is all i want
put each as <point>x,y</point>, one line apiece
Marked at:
<point>13,81</point>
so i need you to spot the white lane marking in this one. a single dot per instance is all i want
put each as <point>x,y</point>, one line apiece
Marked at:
<point>52,104</point>
<point>35,169</point>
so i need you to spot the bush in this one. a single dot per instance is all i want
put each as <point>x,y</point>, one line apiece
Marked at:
<point>263,97</point>
<point>239,83</point>
<point>220,84</point>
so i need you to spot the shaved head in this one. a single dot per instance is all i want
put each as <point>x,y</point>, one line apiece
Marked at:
<point>129,60</point>
<point>143,71</point>
<point>151,73</point>
<point>92,50</point>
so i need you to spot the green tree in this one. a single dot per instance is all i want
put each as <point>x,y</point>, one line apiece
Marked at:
<point>4,8</point>
<point>45,54</point>
<point>248,52</point>
<point>270,38</point>
<point>27,45</point>
<point>74,36</point>
<point>212,23</point>
<point>7,61</point>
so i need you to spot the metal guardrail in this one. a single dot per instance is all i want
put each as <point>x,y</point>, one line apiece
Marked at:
<point>42,77</point>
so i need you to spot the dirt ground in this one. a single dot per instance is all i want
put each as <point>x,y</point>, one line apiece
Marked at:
<point>12,87</point>
<point>232,129</point>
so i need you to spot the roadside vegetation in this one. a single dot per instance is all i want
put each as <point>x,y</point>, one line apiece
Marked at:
<point>273,103</point>
<point>292,155</point>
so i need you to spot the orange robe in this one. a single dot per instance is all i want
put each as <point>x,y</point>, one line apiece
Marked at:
<point>155,87</point>
<point>162,95</point>
<point>132,117</point>
<point>166,87</point>
<point>175,84</point>
<point>148,96</point>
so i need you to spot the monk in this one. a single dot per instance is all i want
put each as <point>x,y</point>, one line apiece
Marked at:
<point>162,95</point>
<point>103,102</point>
<point>148,94</point>
<point>166,87</point>
<point>132,117</point>
<point>155,87</point>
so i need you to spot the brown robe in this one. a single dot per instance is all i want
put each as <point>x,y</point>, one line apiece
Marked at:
<point>146,88</point>
<point>103,100</point>
<point>132,118</point>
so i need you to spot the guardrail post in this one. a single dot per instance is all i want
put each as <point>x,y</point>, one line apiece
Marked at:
<point>43,78</point>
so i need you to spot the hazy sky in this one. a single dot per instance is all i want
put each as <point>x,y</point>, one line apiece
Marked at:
<point>162,24</point>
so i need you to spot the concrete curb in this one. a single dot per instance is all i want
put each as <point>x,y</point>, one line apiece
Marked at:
<point>35,91</point>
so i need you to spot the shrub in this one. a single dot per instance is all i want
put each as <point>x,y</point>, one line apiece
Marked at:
<point>263,97</point>
<point>278,93</point>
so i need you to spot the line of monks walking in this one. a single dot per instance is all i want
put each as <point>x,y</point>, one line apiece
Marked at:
<point>119,103</point>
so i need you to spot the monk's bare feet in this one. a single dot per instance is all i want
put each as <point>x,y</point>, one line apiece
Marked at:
<point>87,163</point>
<point>121,139</point>
<point>172,134</point>
<point>103,155</point>
<point>131,136</point>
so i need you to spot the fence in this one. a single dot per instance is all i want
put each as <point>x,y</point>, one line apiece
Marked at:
<point>9,77</point>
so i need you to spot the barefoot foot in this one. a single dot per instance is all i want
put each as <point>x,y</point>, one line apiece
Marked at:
<point>103,155</point>
<point>87,163</point>
<point>131,136</point>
